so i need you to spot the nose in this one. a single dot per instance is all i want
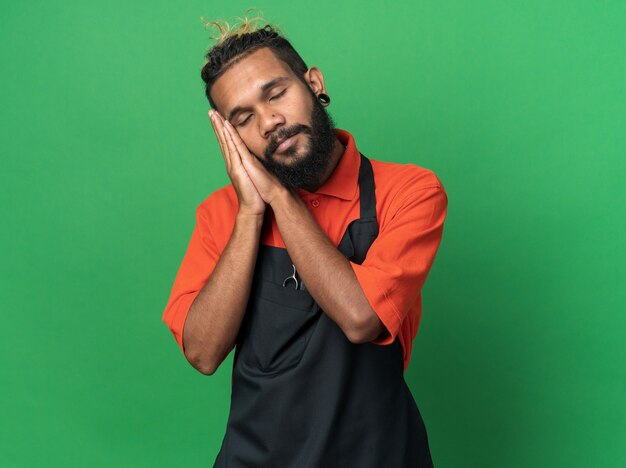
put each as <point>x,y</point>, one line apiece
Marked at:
<point>270,121</point>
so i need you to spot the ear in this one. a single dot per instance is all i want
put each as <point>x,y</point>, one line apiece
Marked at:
<point>315,79</point>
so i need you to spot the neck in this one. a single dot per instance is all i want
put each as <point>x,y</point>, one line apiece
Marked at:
<point>337,153</point>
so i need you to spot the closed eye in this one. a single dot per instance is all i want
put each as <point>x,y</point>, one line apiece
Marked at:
<point>279,94</point>
<point>247,119</point>
<point>243,122</point>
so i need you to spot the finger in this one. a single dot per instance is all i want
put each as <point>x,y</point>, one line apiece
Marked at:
<point>218,127</point>
<point>242,149</point>
<point>222,135</point>
<point>215,124</point>
<point>236,157</point>
<point>218,131</point>
<point>239,144</point>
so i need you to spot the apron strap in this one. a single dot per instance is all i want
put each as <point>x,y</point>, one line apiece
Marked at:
<point>367,188</point>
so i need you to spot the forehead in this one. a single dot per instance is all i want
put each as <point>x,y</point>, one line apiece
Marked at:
<point>242,82</point>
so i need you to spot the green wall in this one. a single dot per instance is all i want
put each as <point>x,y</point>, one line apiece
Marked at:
<point>519,107</point>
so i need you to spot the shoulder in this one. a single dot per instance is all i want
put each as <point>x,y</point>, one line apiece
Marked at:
<point>215,215</point>
<point>394,179</point>
<point>222,200</point>
<point>406,191</point>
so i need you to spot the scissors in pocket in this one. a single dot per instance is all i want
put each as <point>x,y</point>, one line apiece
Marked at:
<point>299,284</point>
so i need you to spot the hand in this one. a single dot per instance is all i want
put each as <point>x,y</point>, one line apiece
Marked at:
<point>250,201</point>
<point>267,185</point>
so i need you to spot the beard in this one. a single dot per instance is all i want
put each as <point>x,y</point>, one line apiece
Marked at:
<point>304,170</point>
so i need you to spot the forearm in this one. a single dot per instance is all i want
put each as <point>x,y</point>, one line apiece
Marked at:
<point>215,316</point>
<point>327,274</point>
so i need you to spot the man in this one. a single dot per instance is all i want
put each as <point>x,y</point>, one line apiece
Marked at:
<point>310,264</point>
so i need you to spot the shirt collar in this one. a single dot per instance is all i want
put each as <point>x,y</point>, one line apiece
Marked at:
<point>344,180</point>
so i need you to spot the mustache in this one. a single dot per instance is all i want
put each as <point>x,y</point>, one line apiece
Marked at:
<point>284,134</point>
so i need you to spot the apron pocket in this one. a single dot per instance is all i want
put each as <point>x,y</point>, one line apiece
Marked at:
<point>278,324</point>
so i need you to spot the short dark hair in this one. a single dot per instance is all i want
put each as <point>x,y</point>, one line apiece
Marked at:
<point>238,44</point>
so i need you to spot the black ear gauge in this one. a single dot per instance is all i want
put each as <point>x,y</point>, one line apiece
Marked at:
<point>324,98</point>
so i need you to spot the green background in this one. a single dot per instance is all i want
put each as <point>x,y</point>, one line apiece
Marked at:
<point>519,107</point>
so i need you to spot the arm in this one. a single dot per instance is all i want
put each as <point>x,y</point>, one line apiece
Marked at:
<point>398,262</point>
<point>215,316</point>
<point>391,278</point>
<point>325,271</point>
<point>212,320</point>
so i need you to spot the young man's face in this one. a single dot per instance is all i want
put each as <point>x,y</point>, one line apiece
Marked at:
<point>268,104</point>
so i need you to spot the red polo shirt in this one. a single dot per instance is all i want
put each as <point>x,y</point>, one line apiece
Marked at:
<point>411,206</point>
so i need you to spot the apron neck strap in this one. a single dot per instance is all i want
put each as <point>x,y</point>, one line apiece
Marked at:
<point>367,189</point>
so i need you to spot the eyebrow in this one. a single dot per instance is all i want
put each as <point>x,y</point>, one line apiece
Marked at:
<point>264,88</point>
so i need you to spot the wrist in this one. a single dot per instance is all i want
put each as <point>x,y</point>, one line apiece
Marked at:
<point>249,218</point>
<point>281,197</point>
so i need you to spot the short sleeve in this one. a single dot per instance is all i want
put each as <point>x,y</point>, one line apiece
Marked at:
<point>397,264</point>
<point>196,267</point>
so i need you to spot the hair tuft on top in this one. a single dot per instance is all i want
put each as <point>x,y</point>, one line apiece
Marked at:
<point>248,24</point>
